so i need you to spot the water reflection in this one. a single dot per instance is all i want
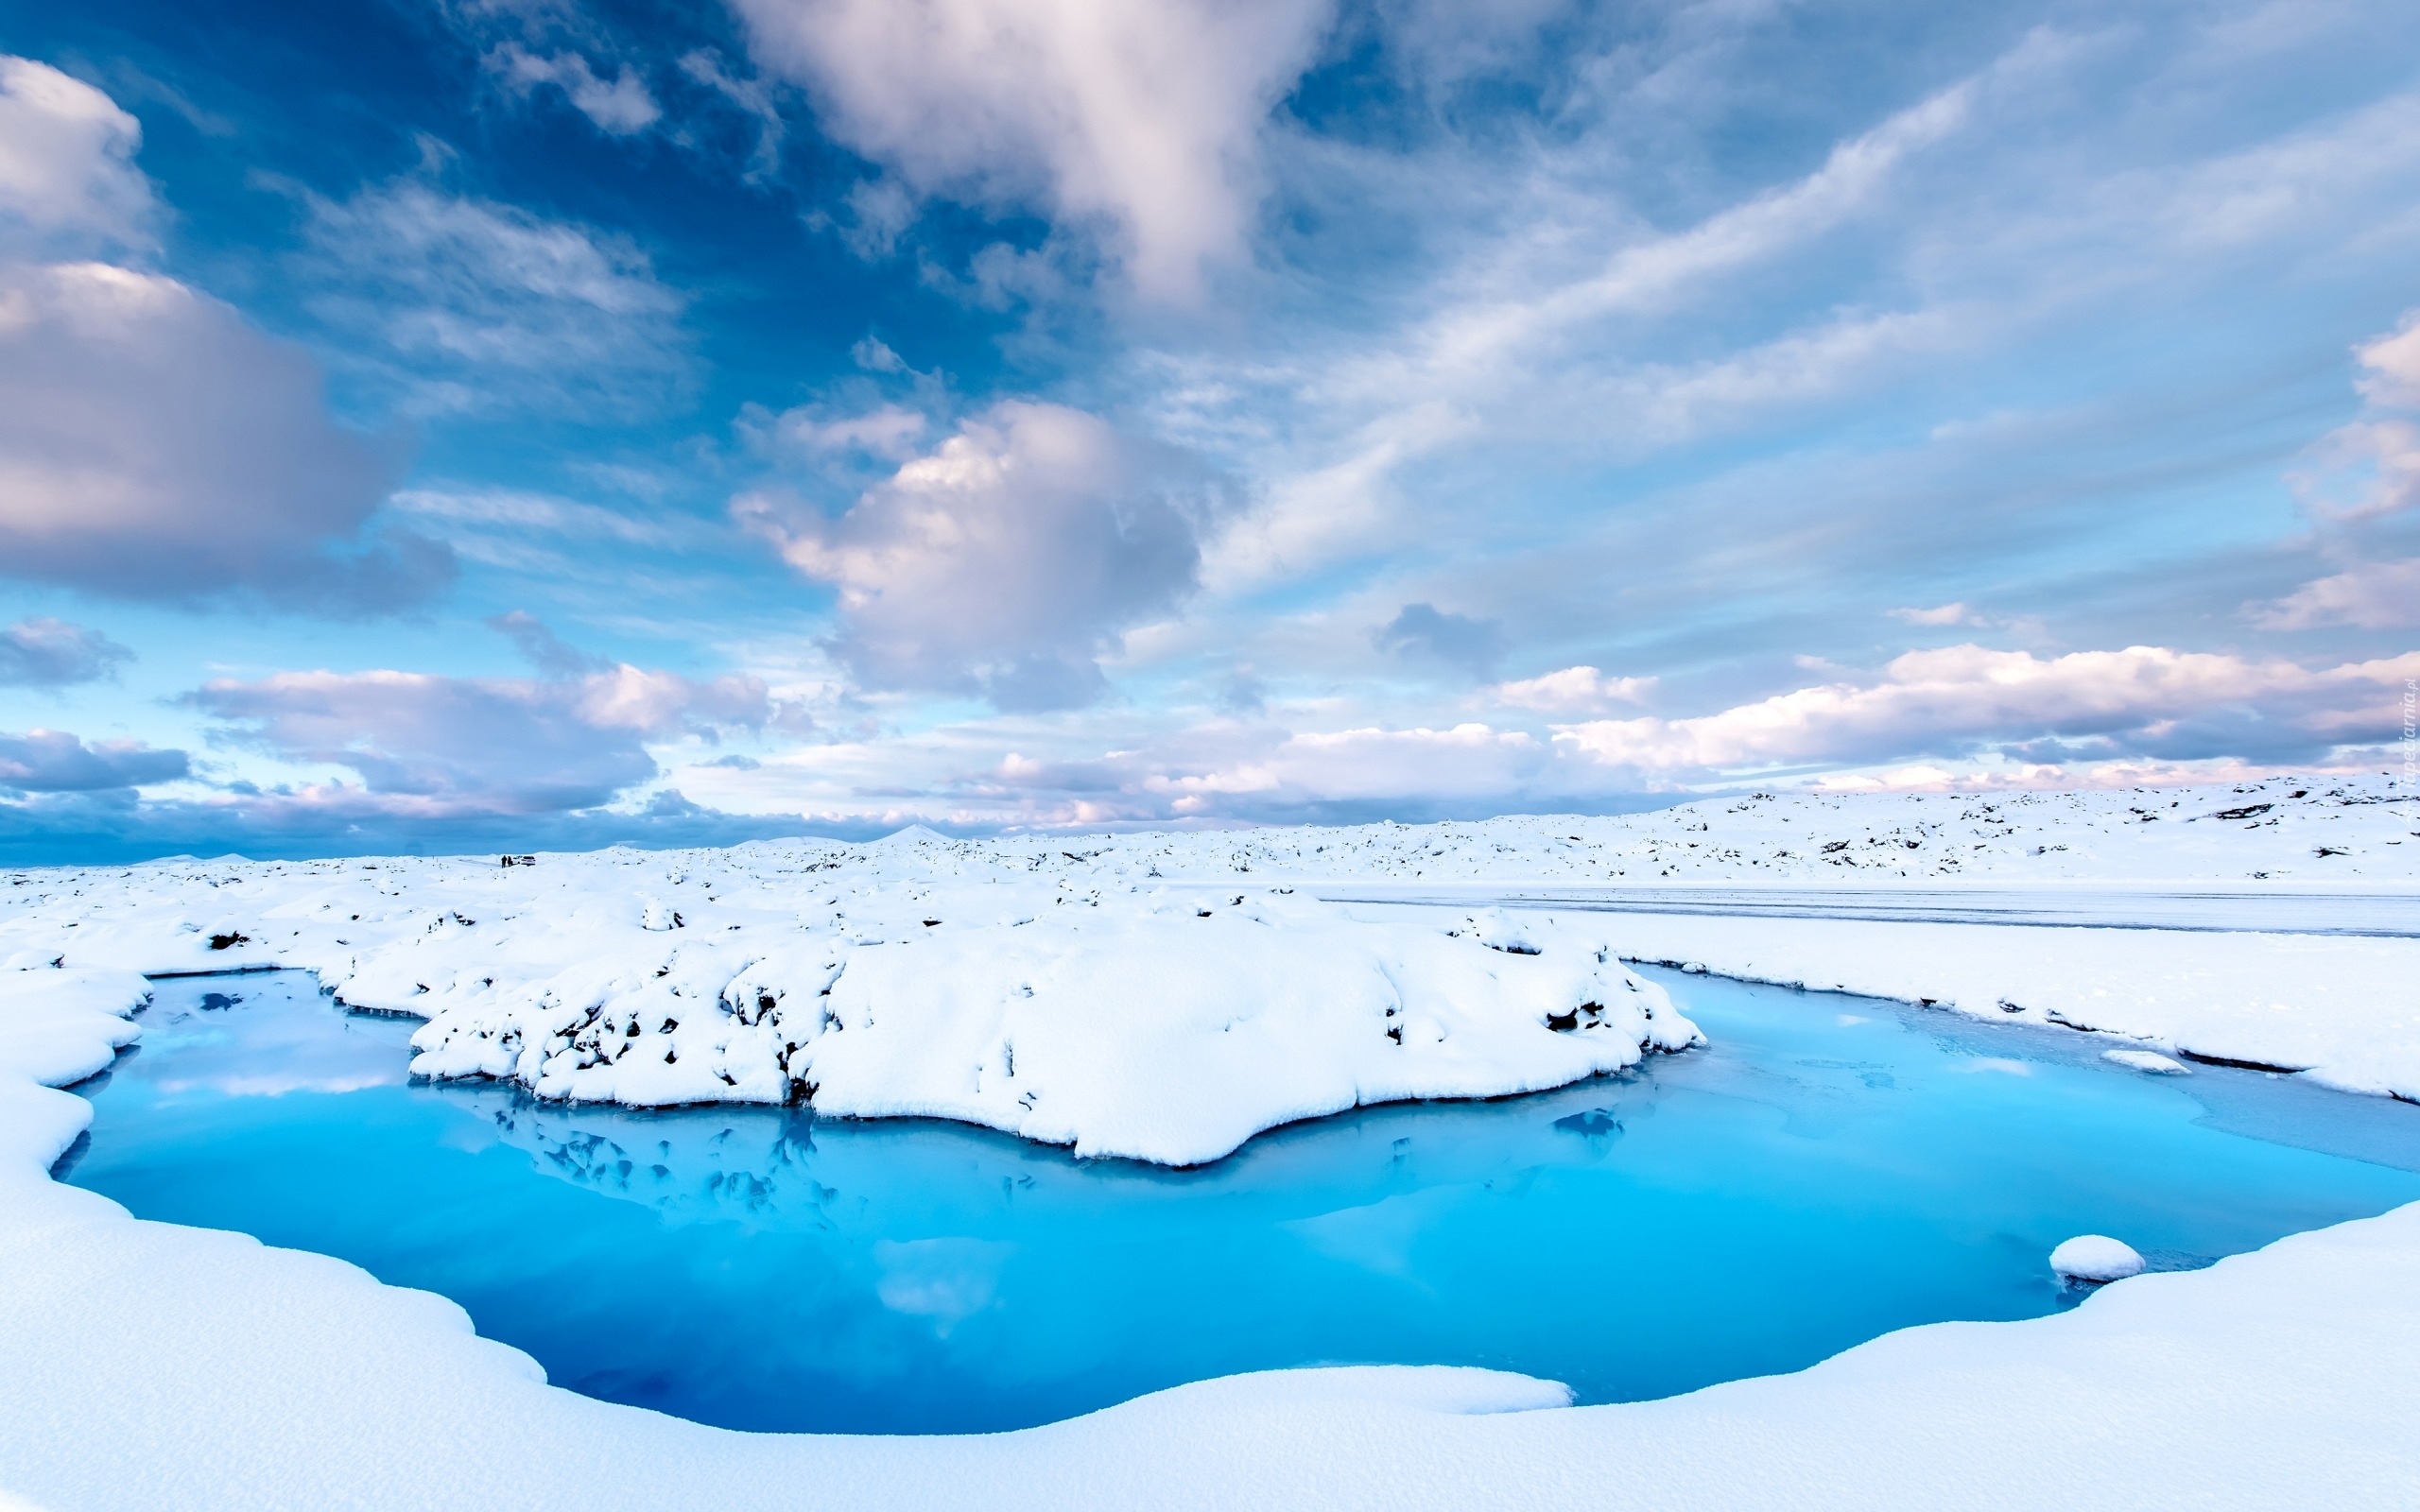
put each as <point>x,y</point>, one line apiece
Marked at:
<point>1828,1170</point>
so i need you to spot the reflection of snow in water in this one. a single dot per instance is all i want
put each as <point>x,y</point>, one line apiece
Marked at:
<point>946,1279</point>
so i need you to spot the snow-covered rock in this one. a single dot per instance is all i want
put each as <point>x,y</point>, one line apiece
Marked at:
<point>2096,1258</point>
<point>1160,1031</point>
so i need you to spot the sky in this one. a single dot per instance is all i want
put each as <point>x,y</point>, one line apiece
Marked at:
<point>460,426</point>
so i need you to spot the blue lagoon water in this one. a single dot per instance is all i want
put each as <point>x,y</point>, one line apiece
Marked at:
<point>1831,1168</point>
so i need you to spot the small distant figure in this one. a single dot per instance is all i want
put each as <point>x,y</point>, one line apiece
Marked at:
<point>518,861</point>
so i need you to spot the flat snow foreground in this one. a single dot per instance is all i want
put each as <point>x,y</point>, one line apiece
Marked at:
<point>154,1366</point>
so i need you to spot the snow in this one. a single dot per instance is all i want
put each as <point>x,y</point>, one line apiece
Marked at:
<point>1121,1021</point>
<point>2094,1258</point>
<point>1163,995</point>
<point>146,1365</point>
<point>2148,1061</point>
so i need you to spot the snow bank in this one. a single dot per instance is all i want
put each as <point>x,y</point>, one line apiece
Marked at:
<point>144,1365</point>
<point>2343,1011</point>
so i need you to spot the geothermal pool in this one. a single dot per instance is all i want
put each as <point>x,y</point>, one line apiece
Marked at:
<point>1830,1168</point>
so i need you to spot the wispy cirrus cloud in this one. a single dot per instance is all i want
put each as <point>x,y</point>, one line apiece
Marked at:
<point>461,304</point>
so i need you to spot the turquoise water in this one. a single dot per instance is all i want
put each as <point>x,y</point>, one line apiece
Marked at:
<point>1829,1169</point>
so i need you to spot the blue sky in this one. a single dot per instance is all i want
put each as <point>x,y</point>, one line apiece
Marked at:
<point>476,424</point>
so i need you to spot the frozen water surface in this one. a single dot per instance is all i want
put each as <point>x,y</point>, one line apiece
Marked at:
<point>1829,1169</point>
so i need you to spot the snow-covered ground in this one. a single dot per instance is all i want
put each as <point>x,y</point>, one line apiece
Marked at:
<point>1163,995</point>
<point>148,1365</point>
<point>1166,995</point>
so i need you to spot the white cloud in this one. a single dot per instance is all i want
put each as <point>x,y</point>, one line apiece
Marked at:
<point>890,431</point>
<point>620,107</point>
<point>154,444</point>
<point>2371,468</point>
<point>1945,615</point>
<point>1348,765</point>
<point>1573,690</point>
<point>1653,273</point>
<point>874,355</point>
<point>2393,362</point>
<point>67,168</point>
<point>1004,562</point>
<point>1140,117</point>
<point>471,304</point>
<point>1961,694</point>
<point>435,746</point>
<point>519,510</point>
<point>2379,595</point>
<point>752,97</point>
<point>48,653</point>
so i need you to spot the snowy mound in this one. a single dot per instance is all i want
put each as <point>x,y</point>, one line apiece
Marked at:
<point>1149,1028</point>
<point>1027,989</point>
<point>2096,1258</point>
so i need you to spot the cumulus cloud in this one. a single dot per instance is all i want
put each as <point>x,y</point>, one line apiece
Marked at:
<point>1140,118</point>
<point>1964,697</point>
<point>1425,632</point>
<point>48,653</point>
<point>2378,596</point>
<point>1005,563</point>
<point>52,761</point>
<point>1573,690</point>
<point>67,172</point>
<point>469,304</point>
<point>439,746</point>
<point>155,444</point>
